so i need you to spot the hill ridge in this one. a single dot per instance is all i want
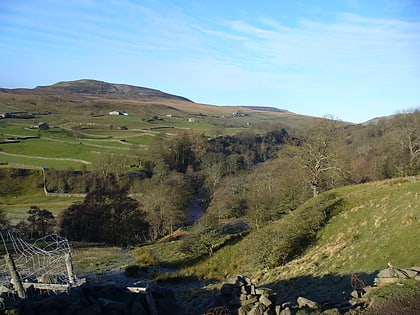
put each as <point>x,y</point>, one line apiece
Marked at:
<point>102,87</point>
<point>96,87</point>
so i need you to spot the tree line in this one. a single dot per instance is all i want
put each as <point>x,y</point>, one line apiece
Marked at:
<point>256,176</point>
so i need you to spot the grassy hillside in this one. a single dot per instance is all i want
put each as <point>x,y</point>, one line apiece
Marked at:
<point>358,230</point>
<point>81,129</point>
<point>22,188</point>
<point>88,97</point>
<point>378,223</point>
<point>371,225</point>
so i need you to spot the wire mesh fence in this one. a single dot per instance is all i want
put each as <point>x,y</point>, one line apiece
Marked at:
<point>46,260</point>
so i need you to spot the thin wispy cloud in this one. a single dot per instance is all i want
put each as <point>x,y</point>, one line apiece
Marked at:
<point>265,57</point>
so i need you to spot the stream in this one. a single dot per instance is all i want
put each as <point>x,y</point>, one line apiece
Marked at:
<point>195,211</point>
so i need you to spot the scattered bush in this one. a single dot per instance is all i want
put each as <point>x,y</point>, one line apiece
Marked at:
<point>145,256</point>
<point>277,244</point>
<point>203,237</point>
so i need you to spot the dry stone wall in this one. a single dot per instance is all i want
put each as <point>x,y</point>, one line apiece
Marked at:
<point>95,300</point>
<point>244,298</point>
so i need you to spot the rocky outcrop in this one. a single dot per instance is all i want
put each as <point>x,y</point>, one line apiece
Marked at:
<point>395,275</point>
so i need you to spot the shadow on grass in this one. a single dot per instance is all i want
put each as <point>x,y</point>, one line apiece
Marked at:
<point>329,291</point>
<point>194,260</point>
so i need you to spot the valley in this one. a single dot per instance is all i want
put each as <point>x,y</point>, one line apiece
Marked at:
<point>156,189</point>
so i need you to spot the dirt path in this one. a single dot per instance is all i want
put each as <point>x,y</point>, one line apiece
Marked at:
<point>45,158</point>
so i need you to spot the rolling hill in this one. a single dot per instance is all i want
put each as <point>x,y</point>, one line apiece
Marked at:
<point>104,88</point>
<point>98,97</point>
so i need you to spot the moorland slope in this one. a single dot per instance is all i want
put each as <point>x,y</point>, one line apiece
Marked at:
<point>98,97</point>
<point>354,230</point>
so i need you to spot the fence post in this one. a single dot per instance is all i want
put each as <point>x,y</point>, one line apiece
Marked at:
<point>69,266</point>
<point>17,283</point>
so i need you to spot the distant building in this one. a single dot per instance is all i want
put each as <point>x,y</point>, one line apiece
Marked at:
<point>42,126</point>
<point>117,113</point>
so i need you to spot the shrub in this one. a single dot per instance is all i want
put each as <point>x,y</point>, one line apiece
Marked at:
<point>144,255</point>
<point>203,237</point>
<point>277,244</point>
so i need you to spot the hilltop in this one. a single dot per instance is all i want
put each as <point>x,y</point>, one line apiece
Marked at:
<point>92,96</point>
<point>104,88</point>
<point>94,87</point>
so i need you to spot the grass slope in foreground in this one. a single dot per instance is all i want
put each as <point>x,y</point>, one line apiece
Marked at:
<point>379,223</point>
<point>372,224</point>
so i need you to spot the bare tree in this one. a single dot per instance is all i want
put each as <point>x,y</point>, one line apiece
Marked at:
<point>408,127</point>
<point>318,154</point>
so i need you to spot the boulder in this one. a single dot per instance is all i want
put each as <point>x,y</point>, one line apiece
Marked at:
<point>395,275</point>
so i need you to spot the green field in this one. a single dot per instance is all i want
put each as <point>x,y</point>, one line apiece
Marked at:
<point>61,148</point>
<point>19,209</point>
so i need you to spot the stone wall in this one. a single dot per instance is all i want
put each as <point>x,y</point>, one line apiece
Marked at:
<point>95,300</point>
<point>243,296</point>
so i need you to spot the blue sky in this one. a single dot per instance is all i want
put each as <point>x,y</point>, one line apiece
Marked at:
<point>353,59</point>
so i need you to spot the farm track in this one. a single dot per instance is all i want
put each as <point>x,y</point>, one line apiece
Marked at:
<point>45,158</point>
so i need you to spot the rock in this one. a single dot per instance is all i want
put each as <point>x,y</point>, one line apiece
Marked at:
<point>394,275</point>
<point>250,301</point>
<point>302,302</point>
<point>386,273</point>
<point>264,291</point>
<point>355,294</point>
<point>246,298</point>
<point>4,289</point>
<point>380,282</point>
<point>266,301</point>
<point>257,309</point>
<point>96,300</point>
<point>245,289</point>
<point>408,273</point>
<point>243,310</point>
<point>285,311</point>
